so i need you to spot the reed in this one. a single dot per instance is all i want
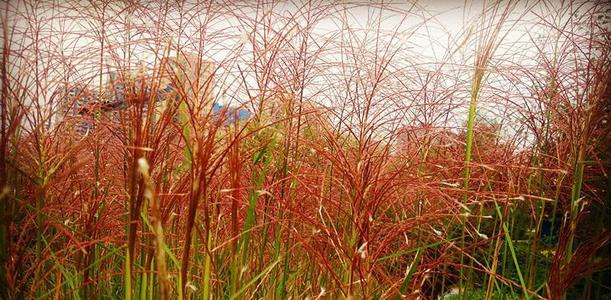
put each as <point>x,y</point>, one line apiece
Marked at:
<point>303,150</point>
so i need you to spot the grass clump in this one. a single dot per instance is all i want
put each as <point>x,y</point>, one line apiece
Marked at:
<point>304,151</point>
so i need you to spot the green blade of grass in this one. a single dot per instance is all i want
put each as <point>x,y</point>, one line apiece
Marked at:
<point>245,287</point>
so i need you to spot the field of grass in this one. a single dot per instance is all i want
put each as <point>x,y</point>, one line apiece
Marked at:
<point>355,150</point>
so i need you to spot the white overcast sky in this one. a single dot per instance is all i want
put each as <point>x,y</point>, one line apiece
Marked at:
<point>425,32</point>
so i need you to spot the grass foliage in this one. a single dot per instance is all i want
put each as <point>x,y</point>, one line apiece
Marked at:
<point>368,169</point>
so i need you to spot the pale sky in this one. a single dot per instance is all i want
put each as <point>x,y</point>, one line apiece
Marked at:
<point>420,36</point>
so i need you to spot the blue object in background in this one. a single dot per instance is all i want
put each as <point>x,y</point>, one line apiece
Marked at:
<point>217,108</point>
<point>243,114</point>
<point>229,113</point>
